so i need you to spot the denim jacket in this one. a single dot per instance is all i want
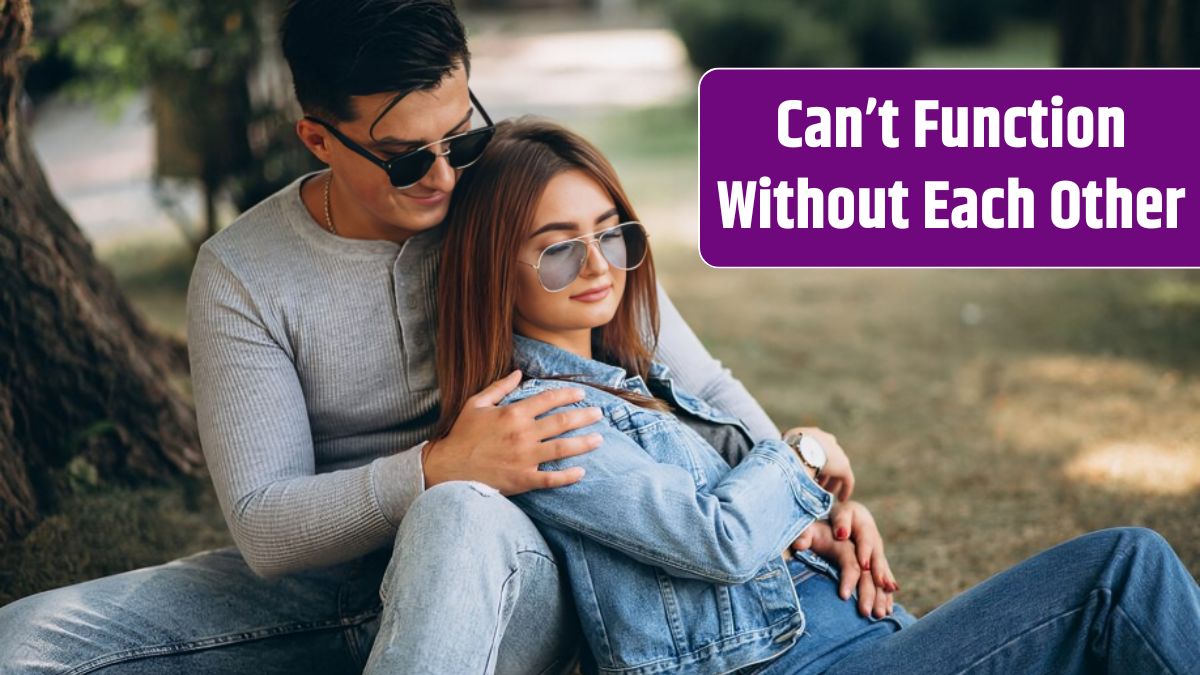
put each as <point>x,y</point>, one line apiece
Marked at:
<point>673,557</point>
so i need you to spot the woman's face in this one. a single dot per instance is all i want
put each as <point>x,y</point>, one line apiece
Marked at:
<point>573,205</point>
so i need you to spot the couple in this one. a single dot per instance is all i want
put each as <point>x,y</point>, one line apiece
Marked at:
<point>612,497</point>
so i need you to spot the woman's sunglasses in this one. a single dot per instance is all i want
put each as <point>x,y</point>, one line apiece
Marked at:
<point>404,171</point>
<point>623,246</point>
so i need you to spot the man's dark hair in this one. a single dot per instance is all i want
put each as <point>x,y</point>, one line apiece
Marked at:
<point>342,48</point>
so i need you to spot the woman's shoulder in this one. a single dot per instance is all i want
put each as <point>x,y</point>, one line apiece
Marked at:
<point>592,396</point>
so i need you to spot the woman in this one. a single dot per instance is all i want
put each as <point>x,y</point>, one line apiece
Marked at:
<point>672,546</point>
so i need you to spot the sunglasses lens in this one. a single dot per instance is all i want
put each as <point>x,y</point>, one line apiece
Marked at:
<point>466,149</point>
<point>624,246</point>
<point>560,264</point>
<point>406,171</point>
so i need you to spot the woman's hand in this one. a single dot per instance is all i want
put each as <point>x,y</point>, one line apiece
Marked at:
<point>872,599</point>
<point>852,522</point>
<point>836,477</point>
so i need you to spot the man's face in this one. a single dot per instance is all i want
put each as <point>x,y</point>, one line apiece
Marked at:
<point>419,118</point>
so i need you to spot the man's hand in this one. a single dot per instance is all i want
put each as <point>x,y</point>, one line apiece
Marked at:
<point>503,446</point>
<point>837,477</point>
<point>875,590</point>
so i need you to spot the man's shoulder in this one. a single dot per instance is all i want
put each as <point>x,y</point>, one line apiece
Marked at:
<point>263,233</point>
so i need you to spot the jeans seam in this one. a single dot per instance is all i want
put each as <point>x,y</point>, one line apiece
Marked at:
<point>1048,621</point>
<point>495,648</point>
<point>176,648</point>
<point>1140,634</point>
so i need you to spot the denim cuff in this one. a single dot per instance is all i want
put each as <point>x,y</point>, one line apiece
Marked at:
<point>812,497</point>
<point>397,481</point>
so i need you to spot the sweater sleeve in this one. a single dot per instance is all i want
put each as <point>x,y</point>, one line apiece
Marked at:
<point>698,372</point>
<point>255,434</point>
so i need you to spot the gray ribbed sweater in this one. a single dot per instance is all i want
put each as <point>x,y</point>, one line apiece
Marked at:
<point>313,373</point>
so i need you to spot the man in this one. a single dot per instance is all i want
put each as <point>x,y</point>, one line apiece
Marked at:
<point>311,329</point>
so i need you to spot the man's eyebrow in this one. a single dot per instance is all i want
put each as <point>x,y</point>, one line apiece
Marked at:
<point>571,227</point>
<point>393,141</point>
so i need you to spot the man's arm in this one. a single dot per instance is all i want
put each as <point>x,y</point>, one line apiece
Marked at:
<point>698,372</point>
<point>254,430</point>
<point>255,434</point>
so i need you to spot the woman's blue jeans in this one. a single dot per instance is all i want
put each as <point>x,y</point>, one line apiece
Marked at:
<point>470,587</point>
<point>1112,601</point>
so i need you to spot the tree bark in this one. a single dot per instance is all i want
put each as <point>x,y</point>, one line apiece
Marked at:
<point>81,374</point>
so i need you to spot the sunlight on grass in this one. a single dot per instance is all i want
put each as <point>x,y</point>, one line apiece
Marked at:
<point>1115,423</point>
<point>1138,467</point>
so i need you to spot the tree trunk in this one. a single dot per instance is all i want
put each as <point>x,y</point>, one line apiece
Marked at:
<point>1129,33</point>
<point>83,380</point>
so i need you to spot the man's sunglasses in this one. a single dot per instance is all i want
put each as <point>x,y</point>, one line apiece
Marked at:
<point>404,171</point>
<point>624,246</point>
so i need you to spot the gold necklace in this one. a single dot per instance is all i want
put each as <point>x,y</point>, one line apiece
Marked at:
<point>328,214</point>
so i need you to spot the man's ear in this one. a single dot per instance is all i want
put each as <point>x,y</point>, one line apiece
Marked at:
<point>316,138</point>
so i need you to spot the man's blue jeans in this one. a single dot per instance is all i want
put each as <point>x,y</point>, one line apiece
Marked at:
<point>1112,601</point>
<point>469,587</point>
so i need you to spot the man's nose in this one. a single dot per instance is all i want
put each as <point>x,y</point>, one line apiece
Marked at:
<point>441,175</point>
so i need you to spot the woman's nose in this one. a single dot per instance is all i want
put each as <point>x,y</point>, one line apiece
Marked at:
<point>596,264</point>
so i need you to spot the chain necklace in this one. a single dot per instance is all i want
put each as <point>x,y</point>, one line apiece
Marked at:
<point>328,214</point>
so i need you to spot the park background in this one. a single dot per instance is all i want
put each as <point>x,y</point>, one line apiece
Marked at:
<point>989,414</point>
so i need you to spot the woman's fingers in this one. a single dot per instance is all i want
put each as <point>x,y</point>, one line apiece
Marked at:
<point>842,523</point>
<point>804,541</point>
<point>866,595</point>
<point>851,572</point>
<point>882,571</point>
<point>882,600</point>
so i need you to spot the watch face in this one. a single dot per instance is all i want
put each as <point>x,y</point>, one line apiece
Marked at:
<point>812,452</point>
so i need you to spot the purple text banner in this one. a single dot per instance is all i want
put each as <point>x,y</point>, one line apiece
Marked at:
<point>950,168</point>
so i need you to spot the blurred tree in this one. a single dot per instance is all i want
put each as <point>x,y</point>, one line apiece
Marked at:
<point>1108,33</point>
<point>210,68</point>
<point>87,391</point>
<point>798,33</point>
<point>966,21</point>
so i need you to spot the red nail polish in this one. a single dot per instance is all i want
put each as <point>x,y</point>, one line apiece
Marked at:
<point>866,565</point>
<point>841,533</point>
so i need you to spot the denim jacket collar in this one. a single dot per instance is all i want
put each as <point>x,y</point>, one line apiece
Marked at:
<point>543,360</point>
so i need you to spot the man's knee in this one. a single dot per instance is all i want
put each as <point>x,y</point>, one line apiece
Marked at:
<point>35,629</point>
<point>466,512</point>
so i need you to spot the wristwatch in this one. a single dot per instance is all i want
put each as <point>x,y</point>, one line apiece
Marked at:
<point>808,449</point>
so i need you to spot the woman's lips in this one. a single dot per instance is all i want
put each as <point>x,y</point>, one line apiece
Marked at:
<point>594,295</point>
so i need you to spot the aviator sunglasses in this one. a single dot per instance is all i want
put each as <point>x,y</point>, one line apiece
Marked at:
<point>406,170</point>
<point>624,246</point>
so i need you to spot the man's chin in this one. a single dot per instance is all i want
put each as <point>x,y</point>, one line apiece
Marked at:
<point>420,220</point>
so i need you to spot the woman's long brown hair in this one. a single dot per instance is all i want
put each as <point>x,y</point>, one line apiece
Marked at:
<point>490,217</point>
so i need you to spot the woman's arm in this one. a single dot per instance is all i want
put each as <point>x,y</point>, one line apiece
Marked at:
<point>654,512</point>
